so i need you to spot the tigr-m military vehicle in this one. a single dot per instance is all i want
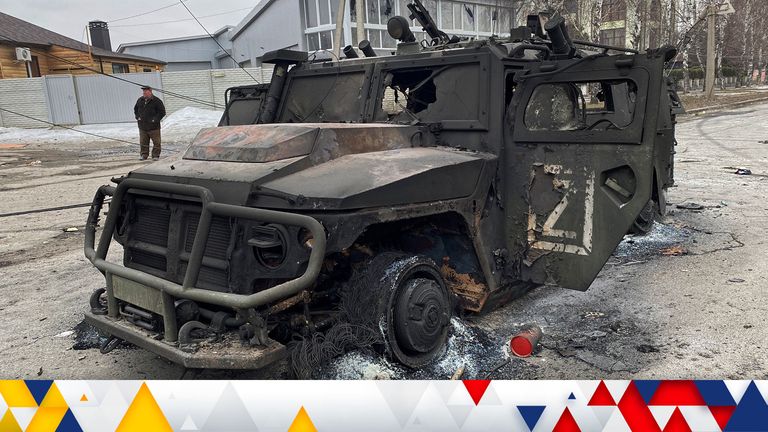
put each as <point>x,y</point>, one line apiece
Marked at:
<point>387,192</point>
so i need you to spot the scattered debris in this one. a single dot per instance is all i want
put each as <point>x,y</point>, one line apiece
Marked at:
<point>459,372</point>
<point>598,334</point>
<point>736,280</point>
<point>592,314</point>
<point>748,326</point>
<point>35,163</point>
<point>646,349</point>
<point>690,206</point>
<point>676,250</point>
<point>67,333</point>
<point>743,171</point>
<point>70,229</point>
<point>524,342</point>
<point>40,371</point>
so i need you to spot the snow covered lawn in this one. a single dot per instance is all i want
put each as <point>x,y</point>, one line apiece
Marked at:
<point>179,127</point>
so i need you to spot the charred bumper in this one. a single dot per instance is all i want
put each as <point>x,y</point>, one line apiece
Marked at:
<point>158,295</point>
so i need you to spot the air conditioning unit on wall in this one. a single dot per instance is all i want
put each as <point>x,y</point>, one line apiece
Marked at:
<point>23,54</point>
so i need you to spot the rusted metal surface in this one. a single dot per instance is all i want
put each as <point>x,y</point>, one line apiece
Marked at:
<point>472,294</point>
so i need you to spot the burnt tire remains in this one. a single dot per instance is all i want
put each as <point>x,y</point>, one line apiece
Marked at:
<point>405,299</point>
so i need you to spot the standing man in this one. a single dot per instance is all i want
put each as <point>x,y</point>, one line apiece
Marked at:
<point>148,111</point>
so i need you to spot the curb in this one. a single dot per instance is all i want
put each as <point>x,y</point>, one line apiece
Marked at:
<point>694,112</point>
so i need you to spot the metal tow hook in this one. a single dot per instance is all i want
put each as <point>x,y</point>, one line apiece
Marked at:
<point>110,344</point>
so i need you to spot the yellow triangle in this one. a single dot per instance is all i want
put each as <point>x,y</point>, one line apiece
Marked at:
<point>46,419</point>
<point>302,422</point>
<point>16,394</point>
<point>144,414</point>
<point>9,423</point>
<point>53,399</point>
<point>83,399</point>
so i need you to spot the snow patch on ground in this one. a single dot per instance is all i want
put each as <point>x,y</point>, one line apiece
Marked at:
<point>181,126</point>
<point>467,346</point>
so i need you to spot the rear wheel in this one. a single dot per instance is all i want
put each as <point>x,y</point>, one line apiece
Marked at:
<point>644,221</point>
<point>410,306</point>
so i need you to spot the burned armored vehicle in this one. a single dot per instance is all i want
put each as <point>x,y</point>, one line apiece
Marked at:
<point>386,194</point>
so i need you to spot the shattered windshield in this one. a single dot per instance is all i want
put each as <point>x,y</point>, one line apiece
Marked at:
<point>335,97</point>
<point>430,94</point>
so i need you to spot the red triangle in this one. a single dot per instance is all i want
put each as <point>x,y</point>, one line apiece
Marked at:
<point>677,423</point>
<point>677,393</point>
<point>636,412</point>
<point>722,414</point>
<point>566,423</point>
<point>602,397</point>
<point>476,388</point>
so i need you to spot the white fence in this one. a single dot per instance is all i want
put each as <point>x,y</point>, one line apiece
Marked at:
<point>88,99</point>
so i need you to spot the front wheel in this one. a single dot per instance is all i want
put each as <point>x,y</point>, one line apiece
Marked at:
<point>410,307</point>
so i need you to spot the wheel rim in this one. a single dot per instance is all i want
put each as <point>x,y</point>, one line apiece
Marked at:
<point>420,316</point>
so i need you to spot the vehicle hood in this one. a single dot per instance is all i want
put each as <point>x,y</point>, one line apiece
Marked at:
<point>321,166</point>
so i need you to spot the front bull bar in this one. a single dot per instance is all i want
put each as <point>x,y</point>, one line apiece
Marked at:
<point>188,289</point>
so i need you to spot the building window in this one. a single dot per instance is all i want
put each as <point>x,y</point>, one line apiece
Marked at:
<point>119,68</point>
<point>147,70</point>
<point>614,37</point>
<point>463,19</point>
<point>614,10</point>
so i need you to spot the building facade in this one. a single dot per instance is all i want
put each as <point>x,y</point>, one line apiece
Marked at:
<point>187,53</point>
<point>52,53</point>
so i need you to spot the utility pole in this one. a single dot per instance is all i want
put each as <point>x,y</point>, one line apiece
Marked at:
<point>360,14</point>
<point>712,11</point>
<point>709,83</point>
<point>339,28</point>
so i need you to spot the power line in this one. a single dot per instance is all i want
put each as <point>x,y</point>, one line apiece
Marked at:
<point>145,13</point>
<point>217,42</point>
<point>67,127</point>
<point>168,92</point>
<point>181,20</point>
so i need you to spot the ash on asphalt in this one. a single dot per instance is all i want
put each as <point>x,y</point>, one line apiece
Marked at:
<point>644,247</point>
<point>89,337</point>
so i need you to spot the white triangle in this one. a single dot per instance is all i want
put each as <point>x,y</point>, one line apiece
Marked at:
<point>603,413</point>
<point>460,396</point>
<point>460,413</point>
<point>662,413</point>
<point>700,418</point>
<point>737,388</point>
<point>445,388</point>
<point>490,397</point>
<point>229,413</point>
<point>23,416</point>
<point>616,423</point>
<point>189,424</point>
<point>762,387</point>
<point>402,397</point>
<point>3,406</point>
<point>617,388</point>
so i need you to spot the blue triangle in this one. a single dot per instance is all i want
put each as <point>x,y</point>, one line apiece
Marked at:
<point>751,414</point>
<point>571,396</point>
<point>69,423</point>
<point>715,393</point>
<point>39,388</point>
<point>531,414</point>
<point>647,388</point>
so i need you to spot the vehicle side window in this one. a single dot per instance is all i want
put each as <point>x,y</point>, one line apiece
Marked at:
<point>599,105</point>
<point>431,94</point>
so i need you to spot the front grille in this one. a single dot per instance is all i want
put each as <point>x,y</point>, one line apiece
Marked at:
<point>151,225</point>
<point>160,238</point>
<point>218,236</point>
<point>147,259</point>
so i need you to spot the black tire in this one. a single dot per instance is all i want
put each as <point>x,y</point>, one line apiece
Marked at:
<point>644,221</point>
<point>404,299</point>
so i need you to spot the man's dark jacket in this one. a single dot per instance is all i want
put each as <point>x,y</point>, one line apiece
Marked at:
<point>149,112</point>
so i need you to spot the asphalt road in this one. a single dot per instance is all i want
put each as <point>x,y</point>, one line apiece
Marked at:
<point>688,301</point>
